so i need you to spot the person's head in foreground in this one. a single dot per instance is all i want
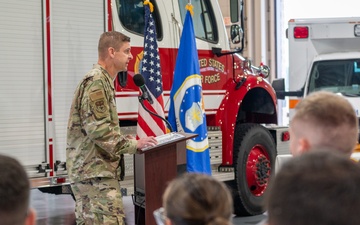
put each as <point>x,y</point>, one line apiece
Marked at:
<point>194,199</point>
<point>323,119</point>
<point>14,194</point>
<point>316,188</point>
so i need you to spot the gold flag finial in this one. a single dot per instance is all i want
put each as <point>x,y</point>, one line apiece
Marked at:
<point>147,2</point>
<point>190,7</point>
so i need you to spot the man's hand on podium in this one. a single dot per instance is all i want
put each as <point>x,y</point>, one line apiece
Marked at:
<point>146,142</point>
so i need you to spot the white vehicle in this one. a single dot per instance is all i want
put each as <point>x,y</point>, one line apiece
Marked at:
<point>48,46</point>
<point>324,54</point>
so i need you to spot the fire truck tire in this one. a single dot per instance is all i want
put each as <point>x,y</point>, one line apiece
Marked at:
<point>254,158</point>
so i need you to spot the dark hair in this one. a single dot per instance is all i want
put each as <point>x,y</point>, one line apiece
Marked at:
<point>194,199</point>
<point>111,39</point>
<point>14,191</point>
<point>315,188</point>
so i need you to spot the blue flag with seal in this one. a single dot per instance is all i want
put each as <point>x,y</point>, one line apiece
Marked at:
<point>186,112</point>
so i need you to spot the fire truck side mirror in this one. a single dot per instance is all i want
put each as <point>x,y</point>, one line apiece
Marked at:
<point>237,25</point>
<point>236,7</point>
<point>235,33</point>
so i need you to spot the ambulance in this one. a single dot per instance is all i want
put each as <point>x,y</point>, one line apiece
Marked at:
<point>324,54</point>
<point>47,47</point>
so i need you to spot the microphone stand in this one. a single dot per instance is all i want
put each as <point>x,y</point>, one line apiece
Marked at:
<point>141,100</point>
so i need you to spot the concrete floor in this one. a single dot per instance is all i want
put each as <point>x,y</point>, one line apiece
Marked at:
<point>59,210</point>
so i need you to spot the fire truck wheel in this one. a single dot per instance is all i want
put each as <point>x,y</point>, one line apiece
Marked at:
<point>254,158</point>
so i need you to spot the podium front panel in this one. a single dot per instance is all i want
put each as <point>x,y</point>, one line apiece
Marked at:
<point>153,170</point>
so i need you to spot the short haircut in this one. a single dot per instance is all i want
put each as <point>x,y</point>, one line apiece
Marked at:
<point>194,199</point>
<point>331,118</point>
<point>14,191</point>
<point>112,39</point>
<point>315,188</point>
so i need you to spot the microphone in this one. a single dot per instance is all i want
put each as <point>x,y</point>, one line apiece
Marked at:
<point>140,82</point>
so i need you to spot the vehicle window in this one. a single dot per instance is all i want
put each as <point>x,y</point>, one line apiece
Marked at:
<point>203,19</point>
<point>338,76</point>
<point>131,15</point>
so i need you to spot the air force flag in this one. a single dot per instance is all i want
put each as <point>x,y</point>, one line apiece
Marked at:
<point>186,112</point>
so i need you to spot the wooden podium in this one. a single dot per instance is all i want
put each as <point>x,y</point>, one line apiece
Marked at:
<point>153,168</point>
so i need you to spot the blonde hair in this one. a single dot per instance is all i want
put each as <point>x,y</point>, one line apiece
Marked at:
<point>327,120</point>
<point>194,199</point>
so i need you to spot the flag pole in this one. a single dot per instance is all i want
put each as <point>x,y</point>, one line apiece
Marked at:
<point>186,110</point>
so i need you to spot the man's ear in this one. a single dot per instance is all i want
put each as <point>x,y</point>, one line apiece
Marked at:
<point>304,145</point>
<point>111,52</point>
<point>168,221</point>
<point>31,217</point>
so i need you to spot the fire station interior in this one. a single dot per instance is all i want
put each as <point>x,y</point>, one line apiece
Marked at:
<point>265,42</point>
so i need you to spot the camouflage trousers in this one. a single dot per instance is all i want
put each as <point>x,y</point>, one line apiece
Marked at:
<point>98,201</point>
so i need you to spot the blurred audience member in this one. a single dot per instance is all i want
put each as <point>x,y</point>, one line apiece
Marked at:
<point>193,199</point>
<point>14,194</point>
<point>316,188</point>
<point>323,119</point>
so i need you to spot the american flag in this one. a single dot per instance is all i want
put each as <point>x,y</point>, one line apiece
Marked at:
<point>149,125</point>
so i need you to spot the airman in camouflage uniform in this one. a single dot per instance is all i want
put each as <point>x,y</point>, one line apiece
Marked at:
<point>94,141</point>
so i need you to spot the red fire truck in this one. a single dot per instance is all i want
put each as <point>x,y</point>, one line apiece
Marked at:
<point>47,46</point>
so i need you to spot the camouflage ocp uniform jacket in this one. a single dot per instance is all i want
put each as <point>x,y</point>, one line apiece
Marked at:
<point>94,141</point>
